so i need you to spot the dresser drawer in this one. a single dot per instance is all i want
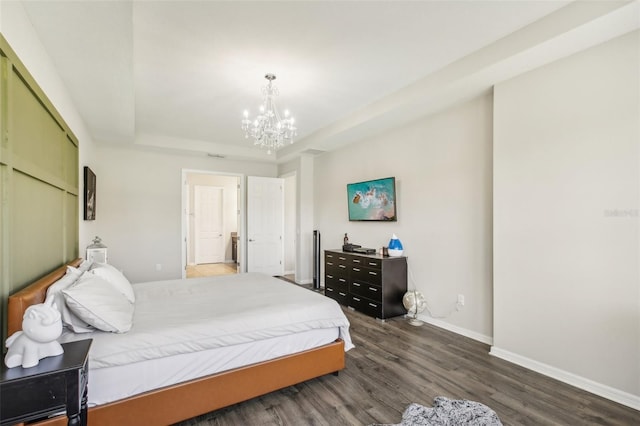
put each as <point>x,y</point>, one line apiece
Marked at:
<point>366,306</point>
<point>338,259</point>
<point>337,295</point>
<point>329,256</point>
<point>335,268</point>
<point>338,282</point>
<point>366,262</point>
<point>367,275</point>
<point>367,290</point>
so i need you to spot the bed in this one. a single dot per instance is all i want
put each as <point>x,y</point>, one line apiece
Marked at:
<point>218,370</point>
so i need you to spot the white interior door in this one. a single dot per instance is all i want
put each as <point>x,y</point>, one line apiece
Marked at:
<point>265,225</point>
<point>209,244</point>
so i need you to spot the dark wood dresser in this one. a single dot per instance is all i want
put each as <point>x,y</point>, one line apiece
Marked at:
<point>371,284</point>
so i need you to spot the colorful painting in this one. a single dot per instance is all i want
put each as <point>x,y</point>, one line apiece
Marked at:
<point>372,200</point>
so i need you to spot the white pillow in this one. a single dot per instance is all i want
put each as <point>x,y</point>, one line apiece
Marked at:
<point>100,304</point>
<point>114,277</point>
<point>54,295</point>
<point>85,265</point>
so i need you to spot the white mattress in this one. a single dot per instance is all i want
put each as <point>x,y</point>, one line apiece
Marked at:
<point>114,383</point>
<point>185,329</point>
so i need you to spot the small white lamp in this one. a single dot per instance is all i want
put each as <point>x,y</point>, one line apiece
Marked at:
<point>97,252</point>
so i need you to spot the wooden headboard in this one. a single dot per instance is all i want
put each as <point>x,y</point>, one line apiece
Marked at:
<point>32,294</point>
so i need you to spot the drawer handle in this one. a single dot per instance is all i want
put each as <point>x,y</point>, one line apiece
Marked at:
<point>328,288</point>
<point>373,305</point>
<point>342,280</point>
<point>342,258</point>
<point>373,264</point>
<point>356,261</point>
<point>342,294</point>
<point>330,263</point>
<point>356,269</point>
<point>341,266</point>
<point>329,276</point>
<point>373,273</point>
<point>356,299</point>
<point>356,284</point>
<point>373,289</point>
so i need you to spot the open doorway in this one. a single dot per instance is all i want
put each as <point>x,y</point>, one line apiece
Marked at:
<point>211,223</point>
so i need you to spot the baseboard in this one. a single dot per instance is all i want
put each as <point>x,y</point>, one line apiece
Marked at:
<point>624,398</point>
<point>458,330</point>
<point>616,395</point>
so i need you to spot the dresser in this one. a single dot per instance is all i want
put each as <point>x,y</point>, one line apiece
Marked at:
<point>371,284</point>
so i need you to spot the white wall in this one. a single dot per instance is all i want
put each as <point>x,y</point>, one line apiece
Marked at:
<point>442,166</point>
<point>18,31</point>
<point>566,191</point>
<point>139,202</point>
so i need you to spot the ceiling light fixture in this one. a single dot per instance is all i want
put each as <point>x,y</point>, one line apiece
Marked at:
<point>269,130</point>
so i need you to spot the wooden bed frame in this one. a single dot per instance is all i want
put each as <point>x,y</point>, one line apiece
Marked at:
<point>183,401</point>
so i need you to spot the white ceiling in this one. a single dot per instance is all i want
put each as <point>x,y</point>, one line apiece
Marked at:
<point>178,74</point>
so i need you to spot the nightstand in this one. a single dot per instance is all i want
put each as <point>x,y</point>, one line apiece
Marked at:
<point>55,384</point>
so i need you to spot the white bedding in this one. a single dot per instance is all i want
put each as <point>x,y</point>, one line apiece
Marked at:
<point>113,383</point>
<point>177,319</point>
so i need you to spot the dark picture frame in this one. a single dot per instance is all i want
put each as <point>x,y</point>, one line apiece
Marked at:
<point>89,194</point>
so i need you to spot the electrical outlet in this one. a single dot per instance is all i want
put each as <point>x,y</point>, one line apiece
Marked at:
<point>158,266</point>
<point>460,302</point>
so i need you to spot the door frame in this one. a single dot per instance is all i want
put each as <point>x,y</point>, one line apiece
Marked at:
<point>185,223</point>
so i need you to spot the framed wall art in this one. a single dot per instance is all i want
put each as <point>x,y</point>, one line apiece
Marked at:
<point>372,200</point>
<point>89,194</point>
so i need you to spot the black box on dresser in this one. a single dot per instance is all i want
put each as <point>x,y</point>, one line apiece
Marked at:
<point>369,283</point>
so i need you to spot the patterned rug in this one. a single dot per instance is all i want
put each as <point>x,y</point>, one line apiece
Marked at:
<point>449,412</point>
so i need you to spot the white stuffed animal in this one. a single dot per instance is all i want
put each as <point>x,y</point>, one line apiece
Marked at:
<point>41,326</point>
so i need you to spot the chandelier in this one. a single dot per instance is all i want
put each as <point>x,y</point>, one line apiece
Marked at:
<point>269,130</point>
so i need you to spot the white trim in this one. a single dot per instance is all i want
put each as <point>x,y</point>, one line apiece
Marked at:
<point>616,395</point>
<point>596,388</point>
<point>458,330</point>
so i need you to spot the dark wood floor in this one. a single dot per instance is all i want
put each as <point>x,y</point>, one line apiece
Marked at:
<point>395,364</point>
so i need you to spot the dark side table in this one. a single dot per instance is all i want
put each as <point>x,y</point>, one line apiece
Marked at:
<point>56,384</point>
